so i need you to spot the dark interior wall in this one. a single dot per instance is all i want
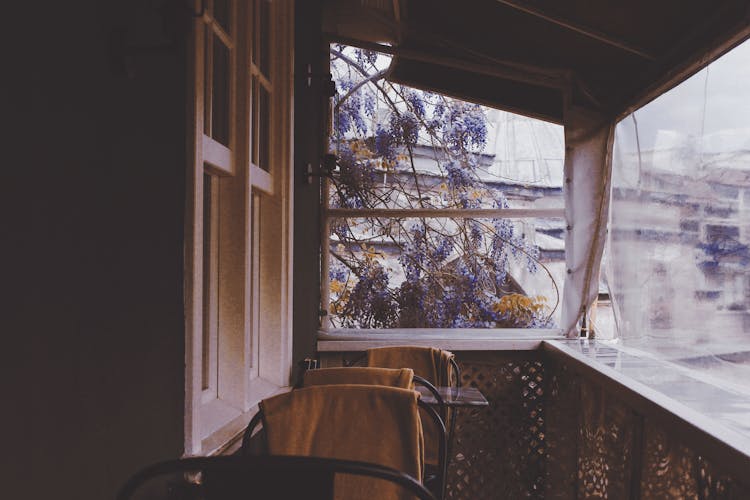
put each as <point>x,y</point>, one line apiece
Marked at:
<point>309,140</point>
<point>94,194</point>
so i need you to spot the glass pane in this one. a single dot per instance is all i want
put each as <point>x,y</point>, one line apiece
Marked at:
<point>264,31</point>
<point>222,14</point>
<point>255,240</point>
<point>264,128</point>
<point>207,72</point>
<point>207,285</point>
<point>445,273</point>
<point>254,111</point>
<point>400,147</point>
<point>220,92</point>
<point>679,248</point>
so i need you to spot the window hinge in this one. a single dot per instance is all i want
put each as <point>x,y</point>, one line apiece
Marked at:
<point>326,78</point>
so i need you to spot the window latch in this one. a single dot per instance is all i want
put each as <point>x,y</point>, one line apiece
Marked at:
<point>327,167</point>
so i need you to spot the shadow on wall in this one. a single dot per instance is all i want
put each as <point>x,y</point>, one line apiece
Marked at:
<point>96,198</point>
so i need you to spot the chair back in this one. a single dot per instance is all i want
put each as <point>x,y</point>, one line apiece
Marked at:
<point>438,367</point>
<point>369,423</point>
<point>261,477</point>
<point>430,363</point>
<point>405,378</point>
<point>402,377</point>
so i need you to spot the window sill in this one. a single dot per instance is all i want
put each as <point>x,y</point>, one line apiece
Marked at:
<point>457,339</point>
<point>223,424</point>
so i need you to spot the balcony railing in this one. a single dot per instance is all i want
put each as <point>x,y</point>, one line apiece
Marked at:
<point>567,421</point>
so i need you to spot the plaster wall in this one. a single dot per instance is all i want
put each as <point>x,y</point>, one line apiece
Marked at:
<point>93,212</point>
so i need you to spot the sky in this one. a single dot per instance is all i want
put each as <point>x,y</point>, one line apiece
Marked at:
<point>725,83</point>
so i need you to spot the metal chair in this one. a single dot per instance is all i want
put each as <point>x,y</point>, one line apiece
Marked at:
<point>436,475</point>
<point>259,477</point>
<point>248,444</point>
<point>455,381</point>
<point>423,361</point>
<point>372,375</point>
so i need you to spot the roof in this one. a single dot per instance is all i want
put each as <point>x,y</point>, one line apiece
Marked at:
<point>529,56</point>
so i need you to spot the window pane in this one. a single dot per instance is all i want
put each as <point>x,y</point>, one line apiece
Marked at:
<point>254,120</point>
<point>207,74</point>
<point>255,241</point>
<point>207,281</point>
<point>445,273</point>
<point>400,147</point>
<point>264,128</point>
<point>220,92</point>
<point>261,123</point>
<point>222,14</point>
<point>679,249</point>
<point>263,45</point>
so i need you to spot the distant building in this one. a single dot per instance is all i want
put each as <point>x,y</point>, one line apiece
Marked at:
<point>684,204</point>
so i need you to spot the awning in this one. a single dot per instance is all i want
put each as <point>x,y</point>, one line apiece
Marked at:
<point>529,56</point>
<point>581,63</point>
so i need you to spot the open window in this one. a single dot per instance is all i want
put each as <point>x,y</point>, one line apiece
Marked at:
<point>440,213</point>
<point>238,225</point>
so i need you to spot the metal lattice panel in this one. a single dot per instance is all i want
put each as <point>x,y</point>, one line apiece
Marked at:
<point>668,467</point>
<point>715,485</point>
<point>500,451</point>
<point>605,444</point>
<point>556,433</point>
<point>672,470</point>
<point>563,396</point>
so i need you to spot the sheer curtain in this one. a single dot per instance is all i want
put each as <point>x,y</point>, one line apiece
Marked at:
<point>678,250</point>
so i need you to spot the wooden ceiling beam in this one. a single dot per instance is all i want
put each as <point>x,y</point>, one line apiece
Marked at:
<point>507,70</point>
<point>580,28</point>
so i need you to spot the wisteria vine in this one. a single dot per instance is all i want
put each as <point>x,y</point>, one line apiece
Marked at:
<point>399,147</point>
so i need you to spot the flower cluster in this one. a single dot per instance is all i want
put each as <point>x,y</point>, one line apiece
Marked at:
<point>517,310</point>
<point>464,127</point>
<point>369,301</point>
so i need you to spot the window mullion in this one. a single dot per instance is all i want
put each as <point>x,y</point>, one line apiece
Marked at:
<point>504,213</point>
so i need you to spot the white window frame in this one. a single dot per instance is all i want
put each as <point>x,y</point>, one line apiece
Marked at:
<point>250,347</point>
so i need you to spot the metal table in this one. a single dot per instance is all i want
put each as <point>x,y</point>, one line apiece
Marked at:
<point>454,397</point>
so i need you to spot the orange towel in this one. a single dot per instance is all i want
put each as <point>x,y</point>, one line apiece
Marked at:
<point>427,362</point>
<point>369,423</point>
<point>390,377</point>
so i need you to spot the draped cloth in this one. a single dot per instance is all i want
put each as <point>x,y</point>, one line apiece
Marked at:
<point>430,363</point>
<point>587,186</point>
<point>402,377</point>
<point>369,423</point>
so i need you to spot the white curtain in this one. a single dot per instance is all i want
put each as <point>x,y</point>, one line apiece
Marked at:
<point>678,256</point>
<point>586,187</point>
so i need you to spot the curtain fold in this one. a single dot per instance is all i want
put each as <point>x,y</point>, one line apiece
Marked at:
<point>586,189</point>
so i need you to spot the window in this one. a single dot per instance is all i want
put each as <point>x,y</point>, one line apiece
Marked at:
<point>440,213</point>
<point>210,299</point>
<point>238,227</point>
<point>679,248</point>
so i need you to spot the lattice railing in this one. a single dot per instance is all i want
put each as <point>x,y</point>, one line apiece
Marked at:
<point>500,451</point>
<point>550,432</point>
